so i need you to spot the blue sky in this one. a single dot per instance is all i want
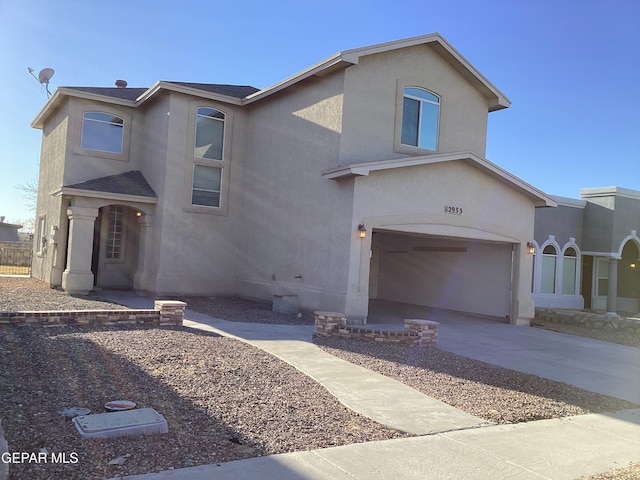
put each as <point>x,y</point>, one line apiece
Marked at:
<point>571,68</point>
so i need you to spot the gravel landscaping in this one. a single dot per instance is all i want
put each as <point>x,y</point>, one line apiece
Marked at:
<point>223,399</point>
<point>487,391</point>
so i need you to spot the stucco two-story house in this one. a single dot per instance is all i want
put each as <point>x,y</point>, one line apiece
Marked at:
<point>362,177</point>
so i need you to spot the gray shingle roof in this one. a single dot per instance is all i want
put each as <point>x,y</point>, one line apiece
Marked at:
<point>128,183</point>
<point>115,92</point>
<point>237,91</point>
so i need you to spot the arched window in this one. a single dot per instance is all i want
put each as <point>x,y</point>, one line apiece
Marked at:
<point>569,271</point>
<point>420,112</point>
<point>548,274</point>
<point>102,131</point>
<point>209,133</point>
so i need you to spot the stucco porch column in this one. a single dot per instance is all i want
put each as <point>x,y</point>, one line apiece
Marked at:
<point>612,291</point>
<point>142,280</point>
<point>77,277</point>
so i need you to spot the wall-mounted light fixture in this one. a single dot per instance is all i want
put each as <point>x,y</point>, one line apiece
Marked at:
<point>138,214</point>
<point>531,247</point>
<point>362,232</point>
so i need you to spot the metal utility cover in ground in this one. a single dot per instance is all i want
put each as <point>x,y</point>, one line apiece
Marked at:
<point>144,421</point>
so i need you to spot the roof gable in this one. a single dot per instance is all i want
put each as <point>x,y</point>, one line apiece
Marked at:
<point>541,199</point>
<point>496,99</point>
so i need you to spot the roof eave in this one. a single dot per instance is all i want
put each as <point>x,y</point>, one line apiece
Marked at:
<point>78,192</point>
<point>61,92</point>
<point>194,92</point>
<point>496,100</point>
<point>541,199</point>
<point>322,68</point>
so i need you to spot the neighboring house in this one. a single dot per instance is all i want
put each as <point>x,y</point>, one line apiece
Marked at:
<point>362,177</point>
<point>9,231</point>
<point>588,252</point>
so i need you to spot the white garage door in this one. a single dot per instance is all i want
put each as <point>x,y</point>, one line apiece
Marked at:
<point>454,274</point>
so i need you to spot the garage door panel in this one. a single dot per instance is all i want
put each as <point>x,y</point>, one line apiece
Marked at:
<point>467,276</point>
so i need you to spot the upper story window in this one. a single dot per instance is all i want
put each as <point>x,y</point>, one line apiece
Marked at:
<point>420,113</point>
<point>102,131</point>
<point>209,133</point>
<point>206,186</point>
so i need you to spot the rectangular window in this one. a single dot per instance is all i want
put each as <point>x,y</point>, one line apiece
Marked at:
<point>42,233</point>
<point>206,186</point>
<point>569,276</point>
<point>410,114</point>
<point>114,234</point>
<point>603,277</point>
<point>548,274</point>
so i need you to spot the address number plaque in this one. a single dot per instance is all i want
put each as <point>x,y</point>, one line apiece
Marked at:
<point>451,210</point>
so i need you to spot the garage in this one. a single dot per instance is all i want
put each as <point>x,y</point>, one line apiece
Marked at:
<point>439,272</point>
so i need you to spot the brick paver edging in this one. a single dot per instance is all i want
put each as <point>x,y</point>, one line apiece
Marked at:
<point>166,312</point>
<point>417,331</point>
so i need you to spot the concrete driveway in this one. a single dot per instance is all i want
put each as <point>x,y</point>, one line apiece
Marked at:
<point>594,365</point>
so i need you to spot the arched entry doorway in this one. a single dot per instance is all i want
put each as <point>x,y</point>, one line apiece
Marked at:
<point>116,239</point>
<point>629,277</point>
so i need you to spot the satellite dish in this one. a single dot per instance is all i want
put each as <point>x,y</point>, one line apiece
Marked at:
<point>45,75</point>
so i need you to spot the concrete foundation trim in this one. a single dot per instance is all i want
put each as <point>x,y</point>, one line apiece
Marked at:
<point>167,312</point>
<point>417,331</point>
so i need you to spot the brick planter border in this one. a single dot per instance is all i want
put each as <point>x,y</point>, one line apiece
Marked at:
<point>166,312</point>
<point>417,331</point>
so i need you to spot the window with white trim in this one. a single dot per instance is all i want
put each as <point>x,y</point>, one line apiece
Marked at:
<point>206,185</point>
<point>548,269</point>
<point>42,233</point>
<point>209,133</point>
<point>114,233</point>
<point>569,271</point>
<point>420,116</point>
<point>102,132</point>
<point>603,277</point>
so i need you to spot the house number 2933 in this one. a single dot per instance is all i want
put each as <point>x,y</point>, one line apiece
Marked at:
<point>452,210</point>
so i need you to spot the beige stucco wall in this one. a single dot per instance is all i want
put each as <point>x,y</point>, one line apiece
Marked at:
<point>82,164</point>
<point>295,224</point>
<point>47,265</point>
<point>194,252</point>
<point>412,199</point>
<point>373,98</point>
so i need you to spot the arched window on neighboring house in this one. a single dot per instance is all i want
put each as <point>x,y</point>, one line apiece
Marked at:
<point>548,269</point>
<point>569,271</point>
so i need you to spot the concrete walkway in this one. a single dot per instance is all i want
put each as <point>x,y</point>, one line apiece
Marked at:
<point>380,398</point>
<point>449,446</point>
